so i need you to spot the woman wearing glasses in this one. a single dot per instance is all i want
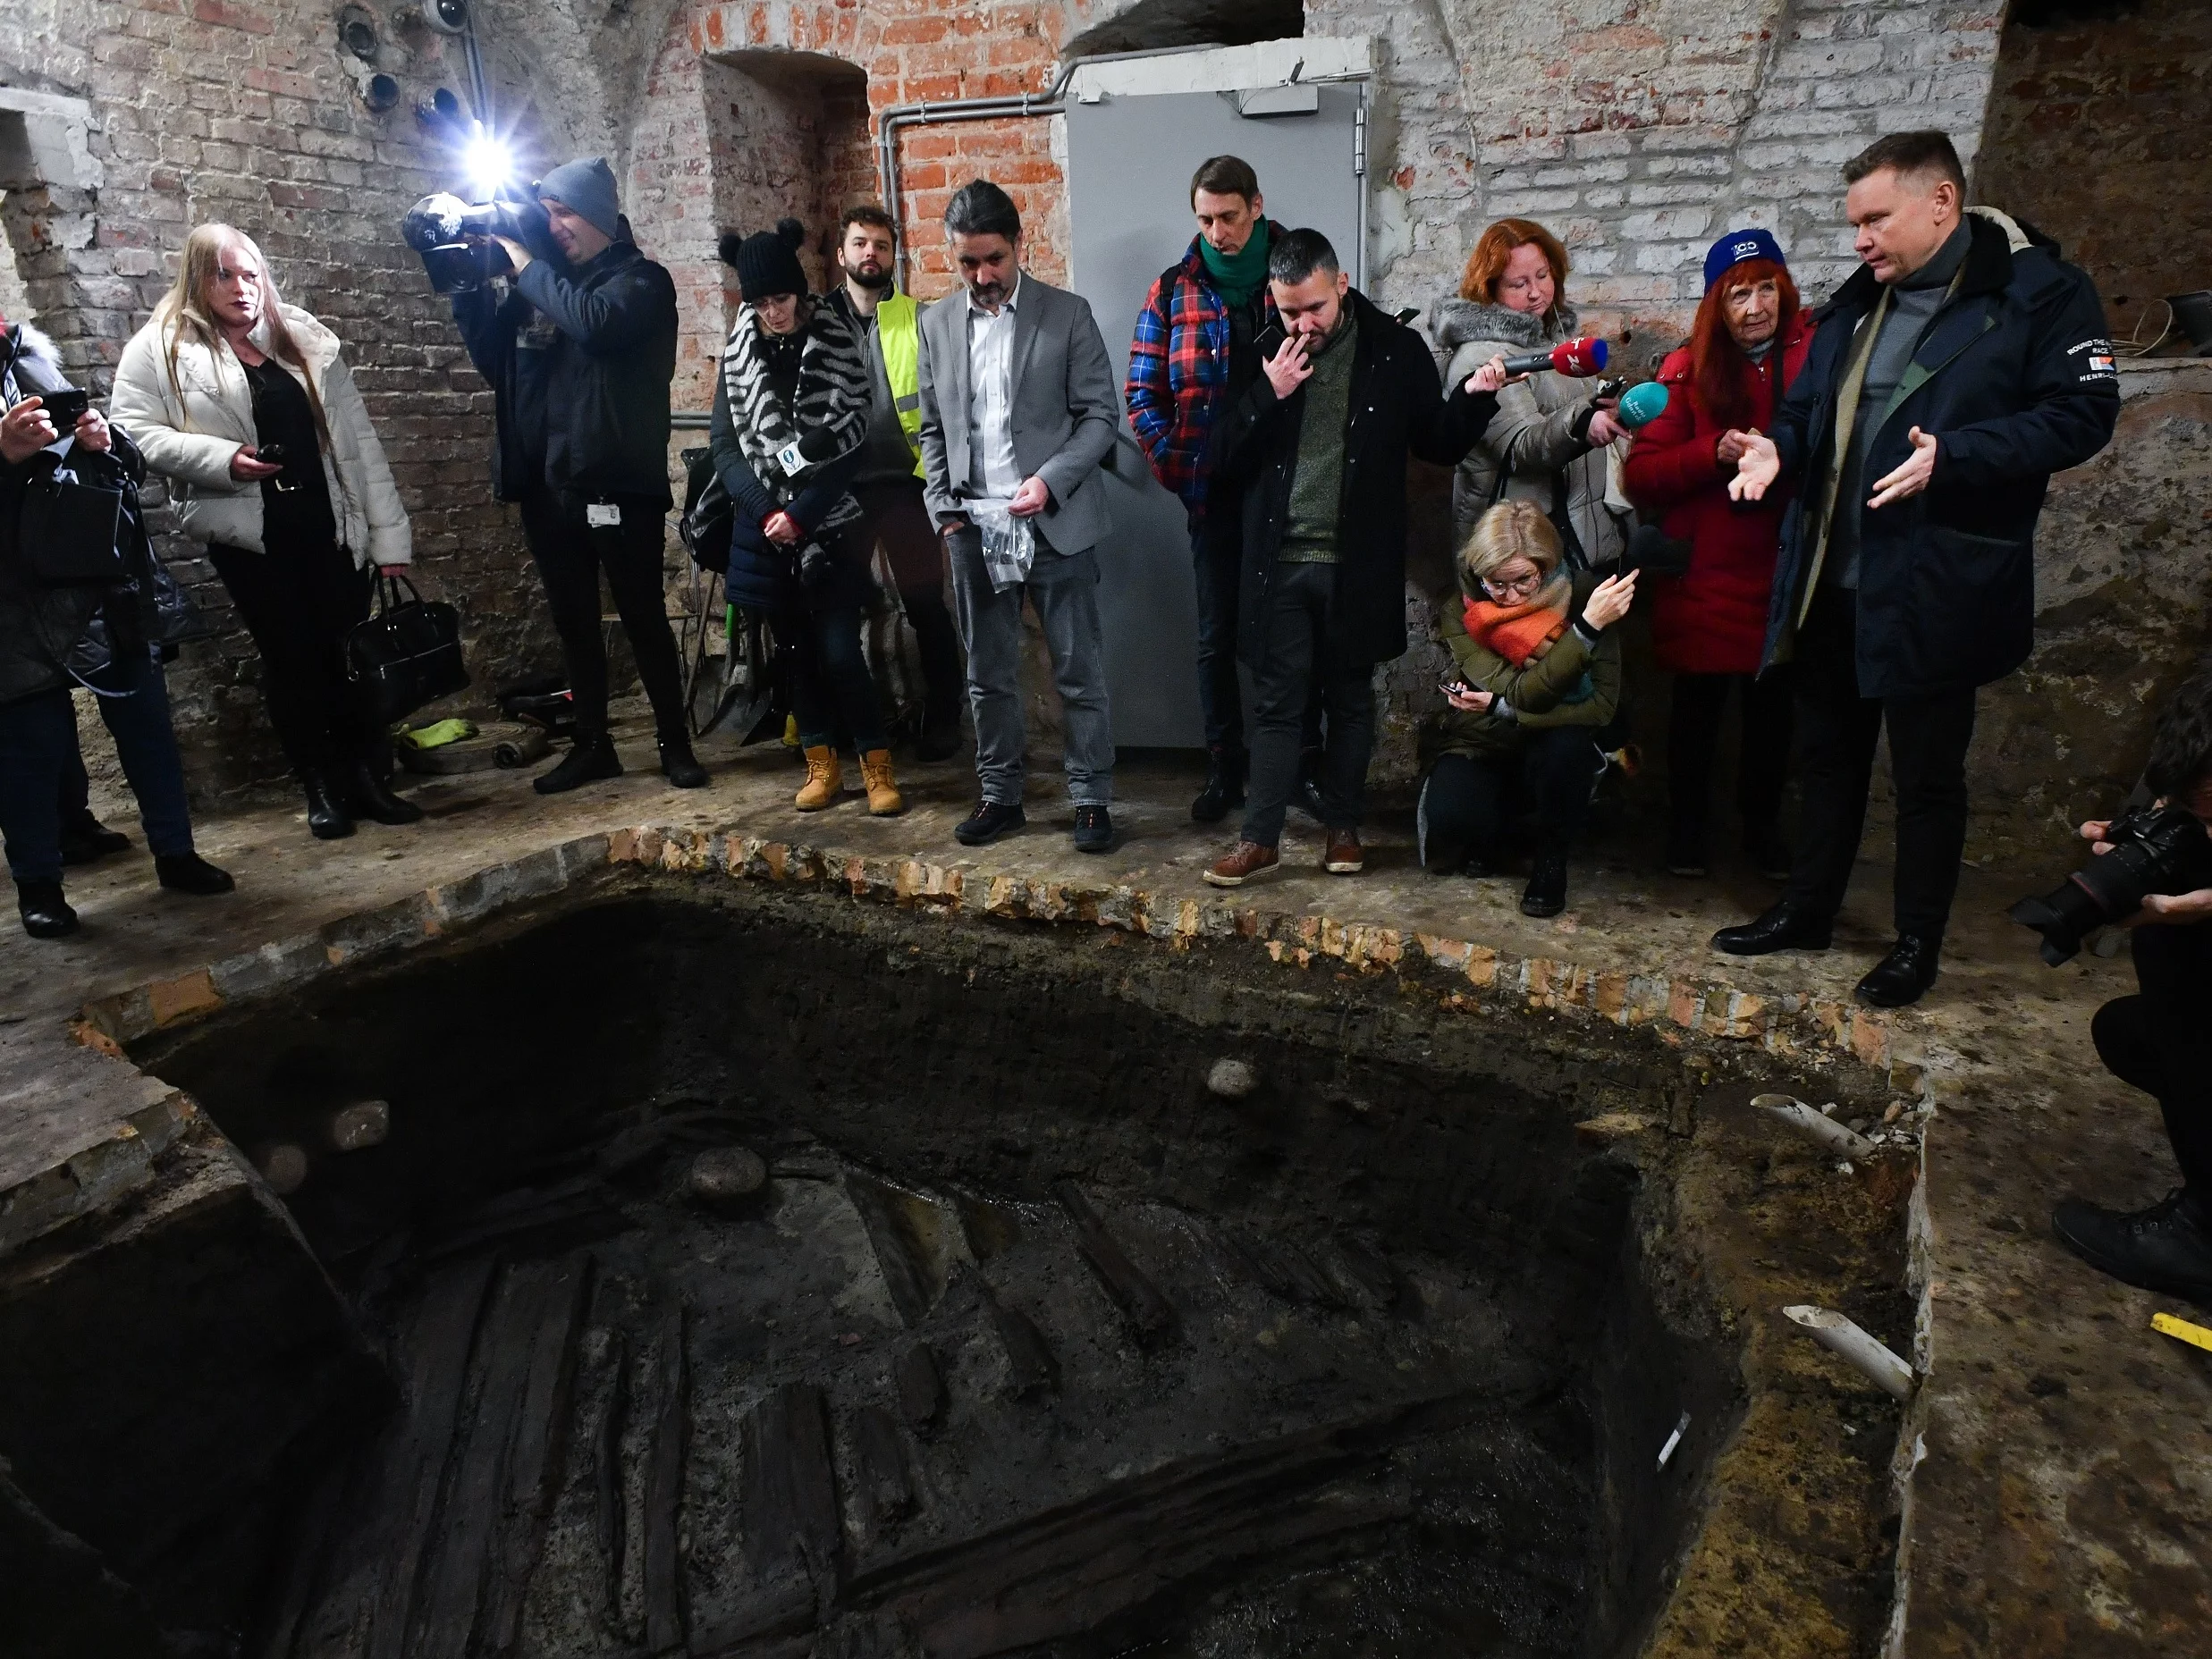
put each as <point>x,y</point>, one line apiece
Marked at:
<point>1537,667</point>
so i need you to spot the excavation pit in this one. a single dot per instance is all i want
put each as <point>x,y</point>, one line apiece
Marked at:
<point>750,1272</point>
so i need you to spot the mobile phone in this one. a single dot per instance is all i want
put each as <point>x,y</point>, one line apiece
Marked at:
<point>270,454</point>
<point>1454,687</point>
<point>1271,340</point>
<point>65,408</point>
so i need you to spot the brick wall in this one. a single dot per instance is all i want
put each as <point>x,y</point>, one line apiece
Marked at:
<point>2100,133</point>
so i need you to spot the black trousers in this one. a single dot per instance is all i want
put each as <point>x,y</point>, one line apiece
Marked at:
<point>1298,660</point>
<point>1693,741</point>
<point>893,514</point>
<point>1837,732</point>
<point>570,554</point>
<point>2160,1041</point>
<point>1467,803</point>
<point>298,602</point>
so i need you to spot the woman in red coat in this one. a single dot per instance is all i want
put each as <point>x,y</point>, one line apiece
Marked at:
<point>1708,626</point>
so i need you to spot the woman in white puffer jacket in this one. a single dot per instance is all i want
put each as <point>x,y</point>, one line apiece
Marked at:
<point>246,406</point>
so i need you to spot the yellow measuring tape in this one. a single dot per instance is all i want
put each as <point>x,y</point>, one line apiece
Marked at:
<point>2181,1331</point>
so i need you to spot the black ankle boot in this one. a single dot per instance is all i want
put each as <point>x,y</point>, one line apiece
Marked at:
<point>1225,785</point>
<point>940,736</point>
<point>86,840</point>
<point>1781,927</point>
<point>2166,1247</point>
<point>588,759</point>
<point>328,817</point>
<point>1546,894</point>
<point>45,913</point>
<point>1899,979</point>
<point>679,766</point>
<point>373,799</point>
<point>189,873</point>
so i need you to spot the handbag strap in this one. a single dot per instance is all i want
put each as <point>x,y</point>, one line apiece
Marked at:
<point>388,588</point>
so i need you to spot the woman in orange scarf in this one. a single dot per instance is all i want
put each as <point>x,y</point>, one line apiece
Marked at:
<point>1539,671</point>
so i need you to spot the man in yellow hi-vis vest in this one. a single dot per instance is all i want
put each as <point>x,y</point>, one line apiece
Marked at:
<point>888,487</point>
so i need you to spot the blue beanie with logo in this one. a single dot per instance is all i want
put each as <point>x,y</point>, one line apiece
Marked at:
<point>1734,248</point>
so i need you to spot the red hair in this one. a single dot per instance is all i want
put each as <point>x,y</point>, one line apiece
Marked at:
<point>1716,361</point>
<point>1496,247</point>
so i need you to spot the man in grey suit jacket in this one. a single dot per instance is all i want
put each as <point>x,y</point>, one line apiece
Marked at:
<point>1018,410</point>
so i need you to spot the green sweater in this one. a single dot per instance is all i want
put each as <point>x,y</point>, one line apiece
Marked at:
<point>1317,485</point>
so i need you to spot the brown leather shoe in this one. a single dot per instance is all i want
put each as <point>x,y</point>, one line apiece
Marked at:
<point>1343,856</point>
<point>1248,860</point>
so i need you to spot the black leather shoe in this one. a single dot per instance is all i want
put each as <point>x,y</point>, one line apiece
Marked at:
<point>45,913</point>
<point>328,817</point>
<point>1224,788</point>
<point>989,821</point>
<point>1094,830</point>
<point>1769,853</point>
<point>189,873</point>
<point>1546,894</point>
<point>1899,979</point>
<point>588,761</point>
<point>679,766</point>
<point>1781,927</point>
<point>86,840</point>
<point>373,799</point>
<point>939,739</point>
<point>2166,1247</point>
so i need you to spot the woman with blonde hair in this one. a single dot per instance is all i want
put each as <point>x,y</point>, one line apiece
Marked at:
<point>246,406</point>
<point>1538,669</point>
<point>1549,442</point>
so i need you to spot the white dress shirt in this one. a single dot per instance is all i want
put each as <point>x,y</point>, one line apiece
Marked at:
<point>993,473</point>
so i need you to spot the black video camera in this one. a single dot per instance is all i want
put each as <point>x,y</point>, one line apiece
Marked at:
<point>454,239</point>
<point>2156,849</point>
<point>1651,548</point>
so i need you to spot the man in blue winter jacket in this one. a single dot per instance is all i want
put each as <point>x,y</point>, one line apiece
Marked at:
<point>1961,365</point>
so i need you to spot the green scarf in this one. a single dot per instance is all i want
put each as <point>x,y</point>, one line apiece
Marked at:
<point>1238,275</point>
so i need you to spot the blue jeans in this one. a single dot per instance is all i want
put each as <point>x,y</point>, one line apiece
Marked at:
<point>38,756</point>
<point>829,680</point>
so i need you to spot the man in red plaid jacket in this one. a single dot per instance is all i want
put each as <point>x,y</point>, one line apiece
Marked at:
<point>1192,355</point>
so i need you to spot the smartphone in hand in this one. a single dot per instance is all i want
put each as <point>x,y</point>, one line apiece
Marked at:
<point>65,408</point>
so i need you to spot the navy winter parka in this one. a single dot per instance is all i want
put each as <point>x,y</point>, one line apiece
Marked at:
<point>2013,377</point>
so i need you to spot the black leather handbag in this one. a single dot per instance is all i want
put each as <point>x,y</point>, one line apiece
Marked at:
<point>67,532</point>
<point>406,653</point>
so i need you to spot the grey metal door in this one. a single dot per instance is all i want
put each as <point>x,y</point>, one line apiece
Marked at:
<point>1129,163</point>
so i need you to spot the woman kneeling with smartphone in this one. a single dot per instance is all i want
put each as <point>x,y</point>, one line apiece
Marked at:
<point>1539,672</point>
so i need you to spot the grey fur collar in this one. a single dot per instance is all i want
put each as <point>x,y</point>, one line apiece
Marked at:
<point>1453,322</point>
<point>36,352</point>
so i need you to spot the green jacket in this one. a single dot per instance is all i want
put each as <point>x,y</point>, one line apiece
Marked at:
<point>1535,691</point>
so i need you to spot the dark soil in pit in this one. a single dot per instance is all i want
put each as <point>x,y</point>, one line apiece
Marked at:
<point>1026,1344</point>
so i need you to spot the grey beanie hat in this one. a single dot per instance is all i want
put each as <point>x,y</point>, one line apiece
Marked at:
<point>587,187</point>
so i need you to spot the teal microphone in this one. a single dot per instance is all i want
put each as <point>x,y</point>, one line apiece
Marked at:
<point>1640,405</point>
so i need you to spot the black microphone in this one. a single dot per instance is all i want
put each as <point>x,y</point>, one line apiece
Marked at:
<point>811,449</point>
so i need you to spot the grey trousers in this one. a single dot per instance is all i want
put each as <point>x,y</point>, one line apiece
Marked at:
<point>1063,591</point>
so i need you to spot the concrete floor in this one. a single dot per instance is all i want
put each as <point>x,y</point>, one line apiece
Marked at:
<point>2063,1502</point>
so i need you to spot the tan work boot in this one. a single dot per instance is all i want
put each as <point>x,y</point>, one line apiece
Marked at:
<point>884,801</point>
<point>825,780</point>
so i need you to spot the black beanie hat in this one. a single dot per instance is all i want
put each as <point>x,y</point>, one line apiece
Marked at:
<point>766,262</point>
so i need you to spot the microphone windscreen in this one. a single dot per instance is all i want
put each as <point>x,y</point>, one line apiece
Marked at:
<point>1579,358</point>
<point>1642,404</point>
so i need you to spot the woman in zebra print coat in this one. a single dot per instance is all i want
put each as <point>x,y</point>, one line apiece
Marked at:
<point>791,408</point>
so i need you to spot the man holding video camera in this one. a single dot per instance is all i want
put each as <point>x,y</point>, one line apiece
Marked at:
<point>579,354</point>
<point>2159,1041</point>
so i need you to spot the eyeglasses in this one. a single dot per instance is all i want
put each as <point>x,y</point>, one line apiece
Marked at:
<point>1519,586</point>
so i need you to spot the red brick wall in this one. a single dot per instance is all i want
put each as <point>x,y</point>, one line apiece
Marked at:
<point>2100,133</point>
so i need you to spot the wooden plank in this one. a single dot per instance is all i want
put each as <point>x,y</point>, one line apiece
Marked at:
<point>535,1456</point>
<point>1151,1315</point>
<point>664,1494</point>
<point>1029,1358</point>
<point>789,1493</point>
<point>886,1489</point>
<point>922,1399</point>
<point>611,1514</point>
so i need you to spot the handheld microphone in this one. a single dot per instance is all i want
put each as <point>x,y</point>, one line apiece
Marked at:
<point>1640,405</point>
<point>814,446</point>
<point>1577,358</point>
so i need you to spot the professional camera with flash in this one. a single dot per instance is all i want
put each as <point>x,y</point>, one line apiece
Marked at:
<point>454,238</point>
<point>2156,849</point>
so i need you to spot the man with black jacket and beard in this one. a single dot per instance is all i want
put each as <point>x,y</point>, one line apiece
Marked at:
<point>1316,448</point>
<point>1961,365</point>
<point>579,361</point>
